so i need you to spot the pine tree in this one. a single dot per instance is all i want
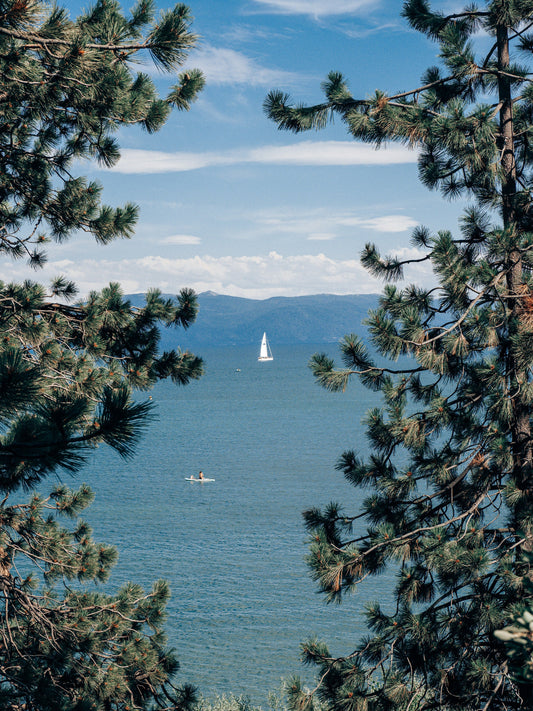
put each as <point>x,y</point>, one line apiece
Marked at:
<point>67,369</point>
<point>518,639</point>
<point>450,472</point>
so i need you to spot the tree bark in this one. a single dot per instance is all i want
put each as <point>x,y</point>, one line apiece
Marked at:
<point>521,429</point>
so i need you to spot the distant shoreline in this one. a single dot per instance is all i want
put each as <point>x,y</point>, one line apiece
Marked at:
<point>288,320</point>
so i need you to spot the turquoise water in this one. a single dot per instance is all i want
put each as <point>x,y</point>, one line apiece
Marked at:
<point>233,550</point>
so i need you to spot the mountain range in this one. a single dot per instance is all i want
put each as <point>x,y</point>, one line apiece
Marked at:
<point>231,320</point>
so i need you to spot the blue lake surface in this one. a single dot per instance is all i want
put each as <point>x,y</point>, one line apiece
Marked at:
<point>233,550</point>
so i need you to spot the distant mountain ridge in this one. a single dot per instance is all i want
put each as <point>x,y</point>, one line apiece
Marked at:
<point>232,320</point>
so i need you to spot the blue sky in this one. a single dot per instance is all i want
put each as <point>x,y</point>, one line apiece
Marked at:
<point>229,203</point>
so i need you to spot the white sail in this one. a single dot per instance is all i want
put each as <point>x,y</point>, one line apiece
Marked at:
<point>265,353</point>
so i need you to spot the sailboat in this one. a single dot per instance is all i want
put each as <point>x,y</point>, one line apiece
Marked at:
<point>265,353</point>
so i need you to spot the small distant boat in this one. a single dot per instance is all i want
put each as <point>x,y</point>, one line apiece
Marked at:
<point>265,353</point>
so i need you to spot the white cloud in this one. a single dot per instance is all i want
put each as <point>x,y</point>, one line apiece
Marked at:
<point>222,65</point>
<point>180,239</point>
<point>316,8</point>
<point>318,223</point>
<point>321,236</point>
<point>305,153</point>
<point>135,160</point>
<point>385,223</point>
<point>331,153</point>
<point>242,33</point>
<point>226,66</point>
<point>256,277</point>
<point>361,33</point>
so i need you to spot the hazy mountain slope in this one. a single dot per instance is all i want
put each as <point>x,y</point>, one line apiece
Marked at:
<point>229,320</point>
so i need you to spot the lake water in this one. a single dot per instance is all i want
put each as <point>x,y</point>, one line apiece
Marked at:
<point>233,550</point>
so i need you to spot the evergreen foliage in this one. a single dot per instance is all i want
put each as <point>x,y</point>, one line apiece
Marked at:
<point>518,639</point>
<point>450,502</point>
<point>67,369</point>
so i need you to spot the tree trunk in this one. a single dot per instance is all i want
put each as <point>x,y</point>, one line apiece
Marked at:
<point>521,429</point>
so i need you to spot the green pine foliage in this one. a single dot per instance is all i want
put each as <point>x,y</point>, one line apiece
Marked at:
<point>68,369</point>
<point>518,640</point>
<point>449,503</point>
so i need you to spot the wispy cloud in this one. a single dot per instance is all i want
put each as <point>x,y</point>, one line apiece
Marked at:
<point>363,32</point>
<point>332,153</point>
<point>306,153</point>
<point>223,65</point>
<point>242,33</point>
<point>316,8</point>
<point>180,240</point>
<point>318,224</point>
<point>227,66</point>
<point>321,236</point>
<point>385,223</point>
